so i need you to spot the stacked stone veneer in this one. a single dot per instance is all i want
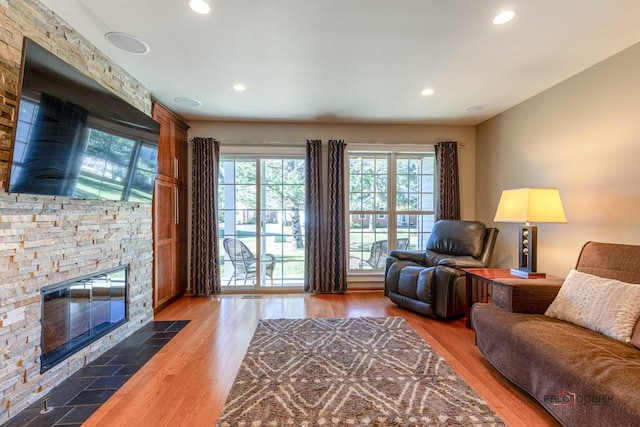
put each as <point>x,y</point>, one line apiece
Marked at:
<point>46,240</point>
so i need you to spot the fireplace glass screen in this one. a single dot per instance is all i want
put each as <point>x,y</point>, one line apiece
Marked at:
<point>78,312</point>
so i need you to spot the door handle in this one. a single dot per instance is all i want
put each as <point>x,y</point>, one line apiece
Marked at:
<point>176,207</point>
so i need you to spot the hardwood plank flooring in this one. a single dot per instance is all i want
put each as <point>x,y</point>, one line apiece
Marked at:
<point>186,383</point>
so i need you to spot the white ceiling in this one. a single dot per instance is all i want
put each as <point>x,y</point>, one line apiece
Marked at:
<point>355,60</point>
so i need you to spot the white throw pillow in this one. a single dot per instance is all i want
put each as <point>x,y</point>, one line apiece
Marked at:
<point>603,305</point>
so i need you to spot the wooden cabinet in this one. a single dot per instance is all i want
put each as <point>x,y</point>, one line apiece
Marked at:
<point>172,150</point>
<point>170,229</point>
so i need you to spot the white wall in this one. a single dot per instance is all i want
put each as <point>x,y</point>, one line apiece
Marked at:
<point>581,136</point>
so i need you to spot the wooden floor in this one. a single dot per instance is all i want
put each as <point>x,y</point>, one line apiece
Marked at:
<point>187,382</point>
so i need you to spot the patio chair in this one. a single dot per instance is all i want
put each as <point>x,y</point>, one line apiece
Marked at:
<point>244,262</point>
<point>379,251</point>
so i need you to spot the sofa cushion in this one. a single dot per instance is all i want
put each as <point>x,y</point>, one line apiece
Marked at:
<point>453,237</point>
<point>607,306</point>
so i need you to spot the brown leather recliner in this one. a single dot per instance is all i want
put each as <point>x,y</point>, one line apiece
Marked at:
<point>430,282</point>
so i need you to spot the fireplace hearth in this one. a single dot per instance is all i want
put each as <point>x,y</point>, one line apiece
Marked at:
<point>77,312</point>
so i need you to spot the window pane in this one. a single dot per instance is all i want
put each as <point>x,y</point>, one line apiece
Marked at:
<point>412,202</point>
<point>402,166</point>
<point>368,202</point>
<point>428,164</point>
<point>355,183</point>
<point>368,183</point>
<point>246,196</point>
<point>294,171</point>
<point>415,228</point>
<point>426,202</point>
<point>368,241</point>
<point>377,199</point>
<point>245,172</point>
<point>368,166</point>
<point>272,171</point>
<point>273,197</point>
<point>414,183</point>
<point>381,184</point>
<point>381,202</point>
<point>355,201</point>
<point>355,165</point>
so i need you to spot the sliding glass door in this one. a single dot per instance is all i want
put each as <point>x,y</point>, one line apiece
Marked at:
<point>261,222</point>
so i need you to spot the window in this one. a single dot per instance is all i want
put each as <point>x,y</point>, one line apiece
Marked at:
<point>391,199</point>
<point>261,202</point>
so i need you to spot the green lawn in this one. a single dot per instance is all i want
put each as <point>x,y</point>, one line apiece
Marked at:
<point>289,260</point>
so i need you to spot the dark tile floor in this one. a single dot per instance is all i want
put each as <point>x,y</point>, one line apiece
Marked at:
<point>79,396</point>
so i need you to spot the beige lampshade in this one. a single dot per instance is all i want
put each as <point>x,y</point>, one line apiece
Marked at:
<point>530,205</point>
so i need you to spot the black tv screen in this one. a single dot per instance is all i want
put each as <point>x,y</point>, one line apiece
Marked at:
<point>75,138</point>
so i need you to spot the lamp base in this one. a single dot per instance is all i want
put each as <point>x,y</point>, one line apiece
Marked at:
<point>527,274</point>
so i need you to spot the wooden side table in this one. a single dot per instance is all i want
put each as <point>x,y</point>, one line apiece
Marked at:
<point>479,281</point>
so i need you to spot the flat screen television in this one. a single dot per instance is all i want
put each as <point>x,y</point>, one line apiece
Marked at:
<point>73,137</point>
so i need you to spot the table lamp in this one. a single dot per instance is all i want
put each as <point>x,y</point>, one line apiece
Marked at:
<point>529,205</point>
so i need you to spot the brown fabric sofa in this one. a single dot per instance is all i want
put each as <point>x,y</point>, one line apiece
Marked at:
<point>581,377</point>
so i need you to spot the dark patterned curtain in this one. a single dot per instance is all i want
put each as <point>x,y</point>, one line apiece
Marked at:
<point>313,276</point>
<point>448,191</point>
<point>336,280</point>
<point>205,269</point>
<point>325,243</point>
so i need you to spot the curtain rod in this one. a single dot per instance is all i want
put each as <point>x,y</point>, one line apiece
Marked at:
<point>352,143</point>
<point>259,143</point>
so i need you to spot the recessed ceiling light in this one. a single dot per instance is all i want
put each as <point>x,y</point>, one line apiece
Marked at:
<point>188,102</point>
<point>427,92</point>
<point>473,108</point>
<point>240,87</point>
<point>199,6</point>
<point>504,17</point>
<point>128,43</point>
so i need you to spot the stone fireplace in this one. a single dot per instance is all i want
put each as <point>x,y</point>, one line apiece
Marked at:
<point>47,243</point>
<point>50,240</point>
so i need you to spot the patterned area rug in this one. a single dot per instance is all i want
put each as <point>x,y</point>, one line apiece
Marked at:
<point>348,372</point>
